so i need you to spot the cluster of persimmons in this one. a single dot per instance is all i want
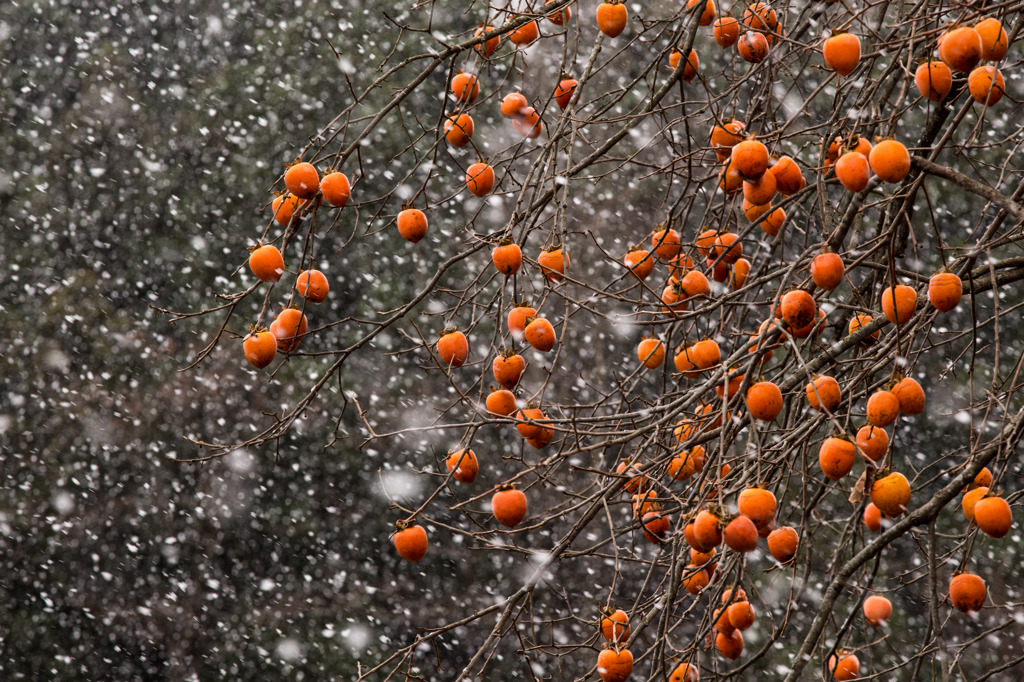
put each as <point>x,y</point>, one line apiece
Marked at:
<point>748,166</point>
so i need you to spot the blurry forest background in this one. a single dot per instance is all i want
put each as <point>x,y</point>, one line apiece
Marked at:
<point>138,145</point>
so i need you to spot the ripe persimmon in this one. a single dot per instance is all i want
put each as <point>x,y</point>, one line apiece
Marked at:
<point>967,592</point>
<point>640,263</point>
<point>463,464</point>
<point>761,191</point>
<point>815,323</point>
<point>615,625</point>
<point>733,594</point>
<point>526,429</point>
<point>684,672</point>
<point>674,299</point>
<point>553,263</point>
<point>738,272</point>
<point>986,85</point>
<point>706,354</point>
<point>412,224</point>
<point>260,347</point>
<point>465,87</point>
<point>614,664</point>
<point>695,283</point>
<point>752,47</point>
<point>730,645</point>
<point>891,494</point>
<point>458,129</point>
<point>842,52</point>
<point>453,347</point>
<point>684,362</point>
<point>982,479</point>
<point>853,171</point>
<point>853,143</point>
<point>945,290</point>
<point>561,17</point>
<point>707,15</point>
<point>798,309</point>
<point>266,262</point>
<point>759,16</point>
<point>934,80</point>
<point>910,395</point>
<point>757,504</point>
<point>751,158</point>
<point>528,123</point>
<point>789,178</point>
<point>732,385</point>
<point>487,47</point>
<point>836,457</point>
<point>480,179</point>
<point>666,243</point>
<point>860,320</point>
<point>289,327</point>
<point>719,269</point>
<point>728,247</point>
<point>516,319</point>
<point>961,48</point>
<point>336,189</point>
<point>692,64</point>
<point>823,394</point>
<point>764,400</point>
<point>726,31</point>
<point>783,543</point>
<point>971,499</point>
<point>508,368</point>
<point>525,34</point>
<point>827,270</point>
<point>730,180</point>
<point>644,502</point>
<point>513,104</point>
<point>656,526</point>
<point>844,667</point>
<point>410,540</point>
<point>611,18</point>
<point>706,530</point>
<point>754,213</point>
<point>302,180</point>
<point>565,90</point>
<point>507,257</point>
<point>509,506</point>
<point>502,401</point>
<point>890,160</point>
<point>545,437</point>
<point>651,352</point>
<point>720,617</point>
<point>285,207</point>
<point>883,408</point>
<point>705,242</point>
<point>872,442</point>
<point>872,517</point>
<point>773,221</point>
<point>312,285</point>
<point>741,615</point>
<point>993,516</point>
<point>687,464</point>
<point>540,334</point>
<point>702,558</point>
<point>877,610</point>
<point>726,136</point>
<point>994,42</point>
<point>899,303</point>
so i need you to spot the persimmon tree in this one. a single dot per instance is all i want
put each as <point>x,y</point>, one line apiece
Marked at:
<point>664,335</point>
